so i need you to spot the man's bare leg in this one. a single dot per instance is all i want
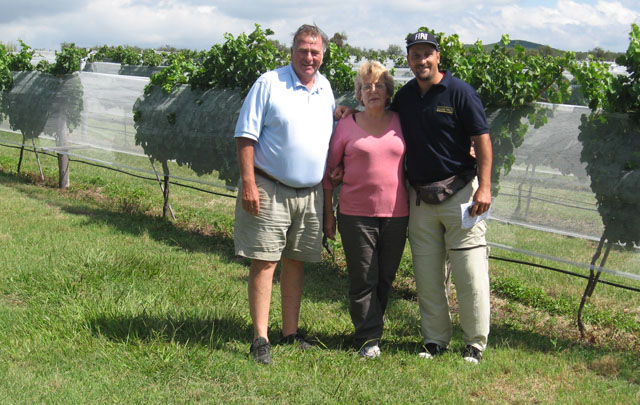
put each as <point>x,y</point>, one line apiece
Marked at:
<point>291,281</point>
<point>260,285</point>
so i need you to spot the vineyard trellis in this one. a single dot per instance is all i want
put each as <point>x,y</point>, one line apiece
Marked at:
<point>187,111</point>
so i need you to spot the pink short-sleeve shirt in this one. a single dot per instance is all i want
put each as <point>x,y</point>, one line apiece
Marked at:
<point>374,181</point>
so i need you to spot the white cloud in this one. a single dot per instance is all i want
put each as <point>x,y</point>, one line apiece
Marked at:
<point>198,24</point>
<point>566,25</point>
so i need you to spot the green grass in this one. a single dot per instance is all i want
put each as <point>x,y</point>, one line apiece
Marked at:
<point>106,302</point>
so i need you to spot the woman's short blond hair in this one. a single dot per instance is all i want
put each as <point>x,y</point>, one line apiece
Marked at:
<point>372,72</point>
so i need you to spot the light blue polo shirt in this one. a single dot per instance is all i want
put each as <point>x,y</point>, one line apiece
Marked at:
<point>291,125</point>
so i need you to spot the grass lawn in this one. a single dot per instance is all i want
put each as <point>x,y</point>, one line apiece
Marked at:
<point>104,301</point>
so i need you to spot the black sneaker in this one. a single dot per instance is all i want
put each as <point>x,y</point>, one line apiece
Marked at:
<point>431,350</point>
<point>260,350</point>
<point>472,354</point>
<point>299,338</point>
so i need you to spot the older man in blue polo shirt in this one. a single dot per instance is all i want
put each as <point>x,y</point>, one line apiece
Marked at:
<point>441,116</point>
<point>282,138</point>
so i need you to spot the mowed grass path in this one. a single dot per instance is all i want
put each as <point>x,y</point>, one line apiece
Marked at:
<point>100,304</point>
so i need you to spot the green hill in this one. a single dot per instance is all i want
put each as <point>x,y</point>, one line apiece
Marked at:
<point>529,46</point>
<point>547,50</point>
<point>526,44</point>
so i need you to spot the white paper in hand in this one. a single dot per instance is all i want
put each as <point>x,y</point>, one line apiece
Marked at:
<point>467,220</point>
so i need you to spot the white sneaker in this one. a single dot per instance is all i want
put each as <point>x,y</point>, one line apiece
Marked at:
<point>370,352</point>
<point>425,355</point>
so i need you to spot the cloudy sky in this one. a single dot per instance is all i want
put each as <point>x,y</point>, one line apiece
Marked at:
<point>578,25</point>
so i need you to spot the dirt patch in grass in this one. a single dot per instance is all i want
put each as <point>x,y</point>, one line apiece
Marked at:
<point>516,390</point>
<point>559,327</point>
<point>13,300</point>
<point>88,195</point>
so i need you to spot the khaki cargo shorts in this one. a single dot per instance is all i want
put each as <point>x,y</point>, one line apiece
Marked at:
<point>289,223</point>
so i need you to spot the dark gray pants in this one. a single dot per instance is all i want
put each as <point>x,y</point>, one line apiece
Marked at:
<point>373,247</point>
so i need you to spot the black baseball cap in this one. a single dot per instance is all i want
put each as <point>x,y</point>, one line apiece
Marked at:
<point>422,38</point>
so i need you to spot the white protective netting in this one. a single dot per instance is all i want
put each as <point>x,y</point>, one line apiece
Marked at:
<point>548,187</point>
<point>107,119</point>
<point>549,205</point>
<point>574,179</point>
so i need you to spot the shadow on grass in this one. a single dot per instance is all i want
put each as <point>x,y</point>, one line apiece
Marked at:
<point>158,229</point>
<point>212,332</point>
<point>134,223</point>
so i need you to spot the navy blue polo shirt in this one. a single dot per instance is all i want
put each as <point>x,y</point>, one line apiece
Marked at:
<point>438,127</point>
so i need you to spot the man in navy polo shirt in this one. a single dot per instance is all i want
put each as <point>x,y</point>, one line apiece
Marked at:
<point>442,117</point>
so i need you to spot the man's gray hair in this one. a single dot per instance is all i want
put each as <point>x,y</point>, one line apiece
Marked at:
<point>313,31</point>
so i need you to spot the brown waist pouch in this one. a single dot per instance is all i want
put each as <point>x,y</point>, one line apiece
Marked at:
<point>439,191</point>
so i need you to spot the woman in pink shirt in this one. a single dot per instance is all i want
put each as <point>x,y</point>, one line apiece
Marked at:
<point>373,208</point>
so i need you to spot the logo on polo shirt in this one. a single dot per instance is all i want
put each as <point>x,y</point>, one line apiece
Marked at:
<point>444,109</point>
